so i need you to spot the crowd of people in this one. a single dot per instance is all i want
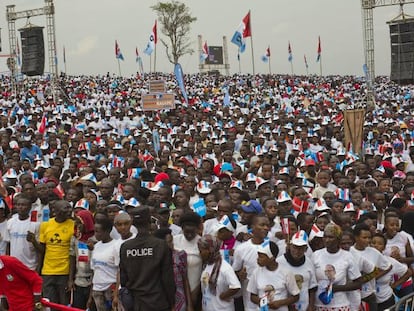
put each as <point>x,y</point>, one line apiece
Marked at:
<point>244,197</point>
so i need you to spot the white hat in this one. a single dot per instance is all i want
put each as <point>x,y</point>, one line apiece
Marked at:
<point>300,238</point>
<point>203,187</point>
<point>264,248</point>
<point>283,197</point>
<point>321,205</point>
<point>225,222</point>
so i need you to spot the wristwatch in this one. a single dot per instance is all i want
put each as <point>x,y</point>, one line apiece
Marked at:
<point>38,306</point>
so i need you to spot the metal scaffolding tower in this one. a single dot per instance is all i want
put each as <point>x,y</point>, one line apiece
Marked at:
<point>49,11</point>
<point>368,35</point>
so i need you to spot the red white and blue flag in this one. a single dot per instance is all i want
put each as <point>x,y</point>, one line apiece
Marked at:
<point>242,32</point>
<point>118,53</point>
<point>138,59</point>
<point>43,125</point>
<point>152,40</point>
<point>318,58</point>
<point>290,56</point>
<point>204,52</point>
<point>266,55</point>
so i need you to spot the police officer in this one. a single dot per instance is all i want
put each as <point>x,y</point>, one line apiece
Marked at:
<point>146,268</point>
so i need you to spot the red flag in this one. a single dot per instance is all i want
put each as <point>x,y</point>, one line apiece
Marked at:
<point>42,126</point>
<point>268,51</point>
<point>247,31</point>
<point>319,50</point>
<point>154,31</point>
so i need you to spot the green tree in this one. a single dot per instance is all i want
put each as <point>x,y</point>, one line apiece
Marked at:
<point>175,19</point>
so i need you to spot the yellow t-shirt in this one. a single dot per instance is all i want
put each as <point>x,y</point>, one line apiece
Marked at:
<point>56,236</point>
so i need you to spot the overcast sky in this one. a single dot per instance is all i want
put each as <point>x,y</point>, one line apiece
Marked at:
<point>88,29</point>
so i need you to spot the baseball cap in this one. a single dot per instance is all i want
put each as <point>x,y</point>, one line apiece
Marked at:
<point>251,206</point>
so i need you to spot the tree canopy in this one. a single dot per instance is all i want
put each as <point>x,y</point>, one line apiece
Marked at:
<point>175,19</point>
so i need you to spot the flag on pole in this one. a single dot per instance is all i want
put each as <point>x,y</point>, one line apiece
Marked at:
<point>318,58</point>
<point>204,52</point>
<point>138,59</point>
<point>306,61</point>
<point>118,53</point>
<point>290,57</point>
<point>152,40</point>
<point>242,32</point>
<point>266,55</point>
<point>18,53</point>
<point>64,55</point>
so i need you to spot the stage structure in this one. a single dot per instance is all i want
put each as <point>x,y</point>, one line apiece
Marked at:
<point>49,11</point>
<point>217,60</point>
<point>402,49</point>
<point>368,7</point>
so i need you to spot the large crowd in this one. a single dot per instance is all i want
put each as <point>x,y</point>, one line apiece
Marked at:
<point>243,197</point>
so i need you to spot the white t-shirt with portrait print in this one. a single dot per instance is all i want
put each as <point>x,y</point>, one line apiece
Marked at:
<point>341,269</point>
<point>273,285</point>
<point>227,279</point>
<point>305,279</point>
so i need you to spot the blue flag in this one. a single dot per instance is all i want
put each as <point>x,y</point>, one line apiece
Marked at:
<point>178,71</point>
<point>238,40</point>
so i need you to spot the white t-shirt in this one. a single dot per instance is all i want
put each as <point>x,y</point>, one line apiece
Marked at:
<point>398,242</point>
<point>305,279</point>
<point>4,237</point>
<point>245,256</point>
<point>276,285</point>
<point>19,246</point>
<point>194,262</point>
<point>378,260</point>
<point>105,261</point>
<point>365,266</point>
<point>341,267</point>
<point>209,226</point>
<point>227,279</point>
<point>384,290</point>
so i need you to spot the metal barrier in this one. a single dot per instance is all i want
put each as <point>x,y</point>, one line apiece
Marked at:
<point>404,304</point>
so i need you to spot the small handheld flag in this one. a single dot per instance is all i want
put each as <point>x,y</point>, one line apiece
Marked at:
<point>118,53</point>
<point>306,61</point>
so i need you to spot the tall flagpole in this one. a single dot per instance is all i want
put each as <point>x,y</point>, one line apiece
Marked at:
<point>320,65</point>
<point>150,64</point>
<point>64,57</point>
<point>119,67</point>
<point>270,68</point>
<point>251,41</point>
<point>291,66</point>
<point>238,58</point>
<point>155,57</point>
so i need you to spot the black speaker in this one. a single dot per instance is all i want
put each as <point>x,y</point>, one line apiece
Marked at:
<point>402,50</point>
<point>33,51</point>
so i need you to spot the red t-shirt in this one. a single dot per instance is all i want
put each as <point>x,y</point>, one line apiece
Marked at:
<point>18,283</point>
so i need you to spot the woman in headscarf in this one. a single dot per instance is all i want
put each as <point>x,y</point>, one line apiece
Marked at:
<point>219,282</point>
<point>80,273</point>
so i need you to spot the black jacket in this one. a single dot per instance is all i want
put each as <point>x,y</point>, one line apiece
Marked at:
<point>146,269</point>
